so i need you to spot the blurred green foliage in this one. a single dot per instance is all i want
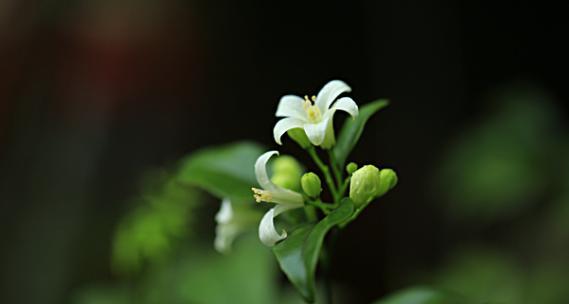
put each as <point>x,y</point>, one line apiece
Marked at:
<point>512,167</point>
<point>501,165</point>
<point>421,295</point>
<point>483,275</point>
<point>225,171</point>
<point>149,231</point>
<point>197,274</point>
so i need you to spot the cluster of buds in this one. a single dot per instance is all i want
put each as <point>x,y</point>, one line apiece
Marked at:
<point>368,183</point>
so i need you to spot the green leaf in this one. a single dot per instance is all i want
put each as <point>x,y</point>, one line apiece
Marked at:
<point>352,130</point>
<point>298,254</point>
<point>225,172</point>
<point>420,295</point>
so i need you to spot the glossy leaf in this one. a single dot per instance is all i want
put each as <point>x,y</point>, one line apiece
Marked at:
<point>352,130</point>
<point>290,257</point>
<point>225,172</point>
<point>298,254</point>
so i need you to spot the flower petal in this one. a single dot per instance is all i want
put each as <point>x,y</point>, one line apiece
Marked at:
<point>225,212</point>
<point>316,132</point>
<point>261,170</point>
<point>291,106</point>
<point>268,234</point>
<point>329,93</point>
<point>345,104</point>
<point>225,234</point>
<point>284,125</point>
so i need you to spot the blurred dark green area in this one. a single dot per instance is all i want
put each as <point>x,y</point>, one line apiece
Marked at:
<point>99,100</point>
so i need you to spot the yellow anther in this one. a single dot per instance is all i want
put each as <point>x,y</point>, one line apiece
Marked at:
<point>314,98</point>
<point>261,195</point>
<point>307,104</point>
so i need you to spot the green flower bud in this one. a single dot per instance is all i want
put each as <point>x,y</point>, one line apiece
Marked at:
<point>311,184</point>
<point>286,172</point>
<point>299,136</point>
<point>286,164</point>
<point>364,185</point>
<point>387,180</point>
<point>351,168</point>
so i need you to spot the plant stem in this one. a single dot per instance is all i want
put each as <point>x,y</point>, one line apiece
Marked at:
<point>311,213</point>
<point>326,171</point>
<point>323,206</point>
<point>344,186</point>
<point>335,169</point>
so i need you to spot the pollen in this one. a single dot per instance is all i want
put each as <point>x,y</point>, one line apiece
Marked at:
<point>261,195</point>
<point>312,111</point>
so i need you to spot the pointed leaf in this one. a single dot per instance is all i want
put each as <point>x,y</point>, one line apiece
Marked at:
<point>225,172</point>
<point>352,130</point>
<point>298,254</point>
<point>289,256</point>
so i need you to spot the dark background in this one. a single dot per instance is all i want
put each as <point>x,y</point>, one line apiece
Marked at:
<point>94,93</point>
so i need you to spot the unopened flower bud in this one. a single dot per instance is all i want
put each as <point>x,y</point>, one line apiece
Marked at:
<point>311,184</point>
<point>351,168</point>
<point>286,172</point>
<point>387,180</point>
<point>299,136</point>
<point>364,185</point>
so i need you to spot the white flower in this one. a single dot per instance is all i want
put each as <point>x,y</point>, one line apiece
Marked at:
<point>226,229</point>
<point>314,115</point>
<point>271,193</point>
<point>232,220</point>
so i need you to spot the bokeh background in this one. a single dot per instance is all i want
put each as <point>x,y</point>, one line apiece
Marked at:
<point>100,99</point>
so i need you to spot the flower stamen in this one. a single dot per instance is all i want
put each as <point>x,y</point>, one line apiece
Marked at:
<point>312,111</point>
<point>261,195</point>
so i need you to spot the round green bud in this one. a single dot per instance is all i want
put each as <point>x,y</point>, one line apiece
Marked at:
<point>387,180</point>
<point>286,172</point>
<point>351,168</point>
<point>311,184</point>
<point>364,185</point>
<point>286,164</point>
<point>286,181</point>
<point>299,136</point>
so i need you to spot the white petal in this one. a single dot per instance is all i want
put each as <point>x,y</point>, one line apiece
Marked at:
<point>316,132</point>
<point>329,93</point>
<point>345,104</point>
<point>261,170</point>
<point>267,231</point>
<point>291,106</point>
<point>284,125</point>
<point>287,197</point>
<point>225,234</point>
<point>225,213</point>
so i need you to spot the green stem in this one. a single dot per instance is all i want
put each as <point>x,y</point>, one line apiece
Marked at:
<point>311,213</point>
<point>323,206</point>
<point>344,186</point>
<point>335,168</point>
<point>326,171</point>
